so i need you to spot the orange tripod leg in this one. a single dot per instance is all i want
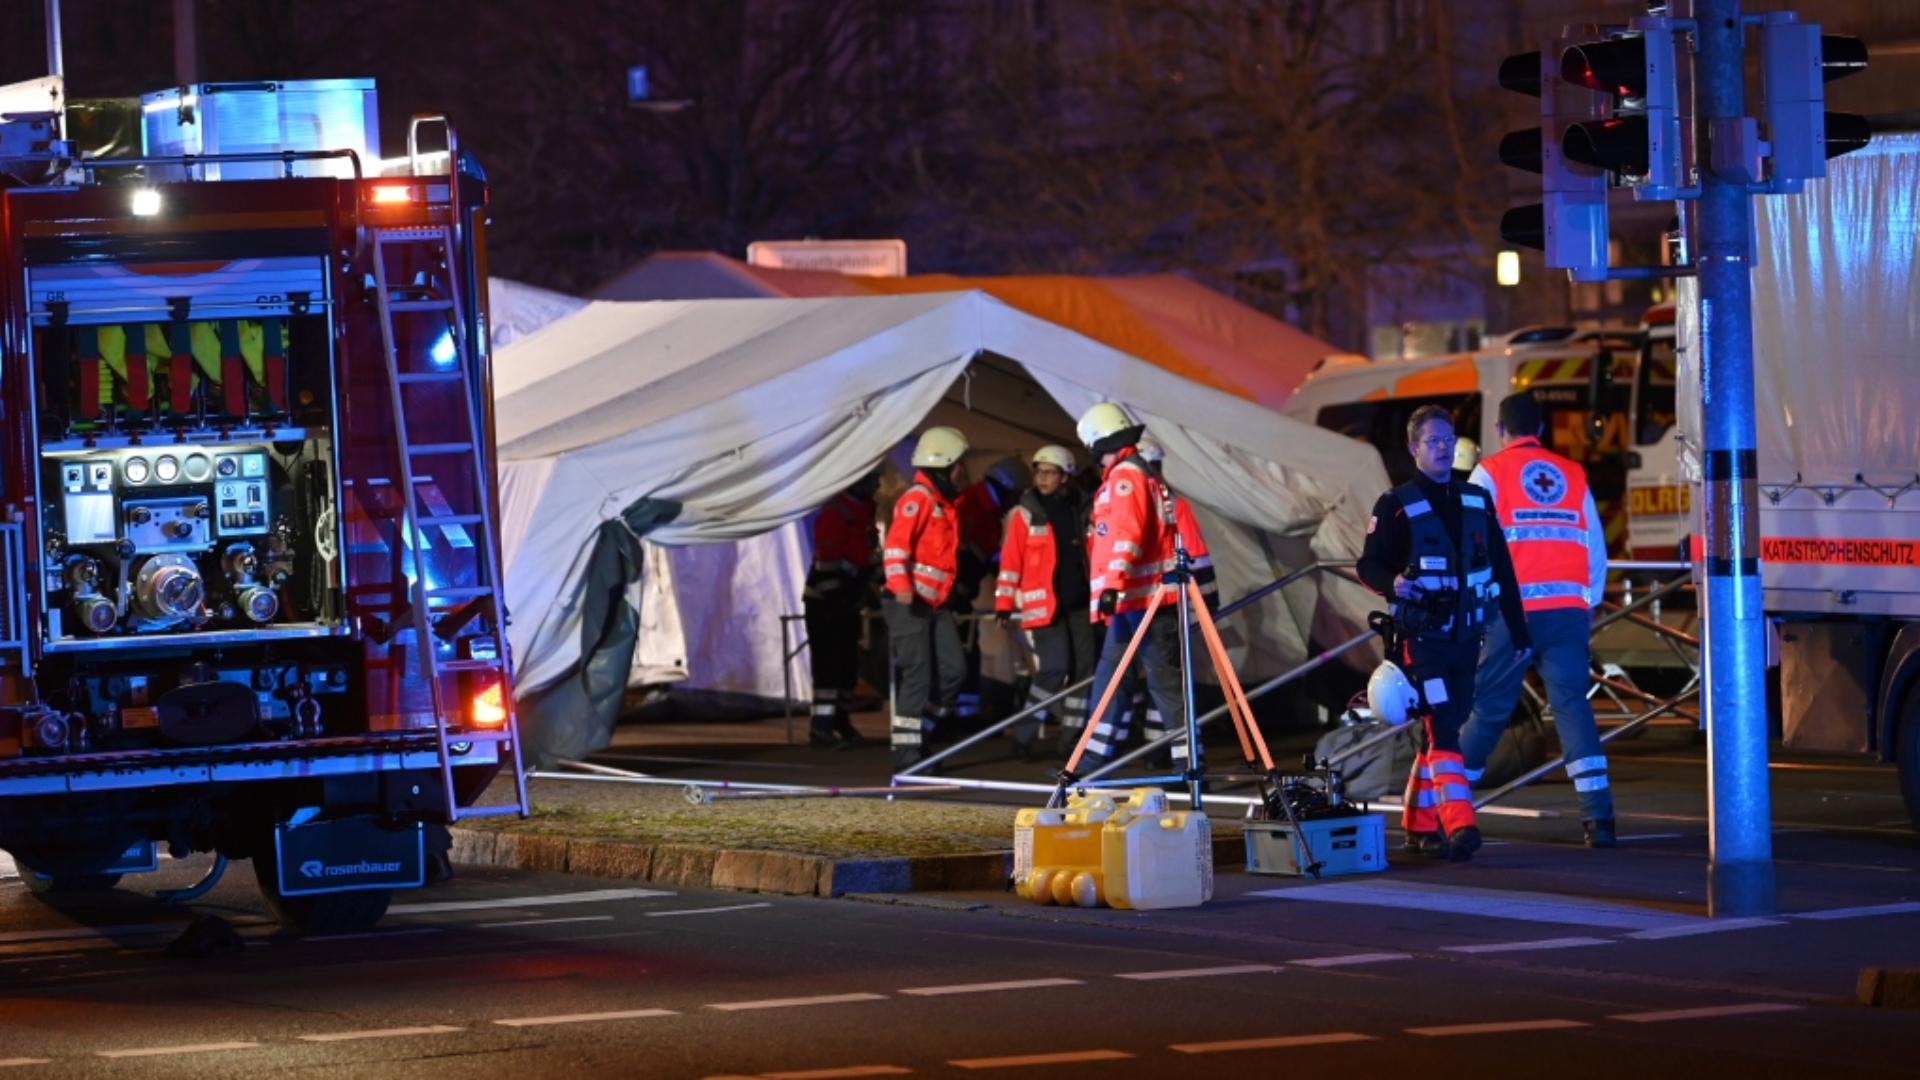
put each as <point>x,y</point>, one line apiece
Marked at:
<point>1241,710</point>
<point>1106,697</point>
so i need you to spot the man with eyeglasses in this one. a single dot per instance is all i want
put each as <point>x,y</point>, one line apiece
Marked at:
<point>1435,550</point>
<point>1044,584</point>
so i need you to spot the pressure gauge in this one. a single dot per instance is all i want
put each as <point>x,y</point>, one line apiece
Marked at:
<point>228,466</point>
<point>135,470</point>
<point>166,469</point>
<point>199,468</point>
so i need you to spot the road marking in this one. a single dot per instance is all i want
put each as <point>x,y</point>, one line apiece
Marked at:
<point>838,1073</point>
<point>1494,1029</point>
<point>1711,926</point>
<point>39,959</point>
<point>705,910</point>
<point>987,988</point>
<point>1355,958</point>
<point>595,896</point>
<point>330,938</point>
<point>381,1033</point>
<point>80,932</point>
<point>1701,1014</point>
<point>789,1003</point>
<point>162,1051</point>
<point>1859,912</point>
<point>544,922</point>
<point>1529,946</point>
<point>1650,836</point>
<point>1199,973</point>
<point>8,1063</point>
<point>1069,1058</point>
<point>1278,1043</point>
<point>1523,907</point>
<point>585,1018</point>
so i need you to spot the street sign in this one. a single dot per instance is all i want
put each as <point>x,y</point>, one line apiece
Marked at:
<point>857,258</point>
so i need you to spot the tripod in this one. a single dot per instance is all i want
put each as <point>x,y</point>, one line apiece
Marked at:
<point>1192,608</point>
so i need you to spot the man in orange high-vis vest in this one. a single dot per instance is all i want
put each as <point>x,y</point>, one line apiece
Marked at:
<point>921,557</point>
<point>1559,549</point>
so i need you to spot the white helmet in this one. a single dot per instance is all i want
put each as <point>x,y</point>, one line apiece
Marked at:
<point>1057,456</point>
<point>1103,420</point>
<point>1390,695</point>
<point>938,448</point>
<point>1466,454</point>
<point>1149,450</point>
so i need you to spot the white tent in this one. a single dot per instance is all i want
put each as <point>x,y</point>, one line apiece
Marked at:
<point>716,420</point>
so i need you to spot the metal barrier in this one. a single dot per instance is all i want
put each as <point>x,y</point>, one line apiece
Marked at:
<point>1672,636</point>
<point>913,773</point>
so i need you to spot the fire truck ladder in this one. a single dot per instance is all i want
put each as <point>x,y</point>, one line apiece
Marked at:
<point>434,246</point>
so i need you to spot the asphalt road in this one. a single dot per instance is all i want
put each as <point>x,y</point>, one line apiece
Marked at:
<point>1539,958</point>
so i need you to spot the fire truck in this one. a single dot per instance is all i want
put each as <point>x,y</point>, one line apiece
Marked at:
<point>251,600</point>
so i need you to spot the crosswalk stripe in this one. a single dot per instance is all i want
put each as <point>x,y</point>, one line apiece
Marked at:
<point>1495,1029</point>
<point>1706,1013</point>
<point>1452,900</point>
<point>1528,946</point>
<point>1200,973</point>
<point>1279,1042</point>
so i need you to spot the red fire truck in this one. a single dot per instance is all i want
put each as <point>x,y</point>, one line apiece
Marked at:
<point>249,577</point>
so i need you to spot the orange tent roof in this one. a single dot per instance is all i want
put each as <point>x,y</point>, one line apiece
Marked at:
<point>1164,319</point>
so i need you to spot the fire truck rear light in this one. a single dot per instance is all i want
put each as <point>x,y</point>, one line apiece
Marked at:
<point>390,194</point>
<point>489,707</point>
<point>146,202</point>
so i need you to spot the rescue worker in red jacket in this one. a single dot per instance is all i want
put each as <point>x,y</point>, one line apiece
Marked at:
<point>1435,549</point>
<point>921,557</point>
<point>842,566</point>
<point>1559,548</point>
<point>1043,583</point>
<point>1200,562</point>
<point>1131,547</point>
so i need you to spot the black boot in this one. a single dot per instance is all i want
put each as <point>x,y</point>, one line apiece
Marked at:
<point>1462,843</point>
<point>1599,832</point>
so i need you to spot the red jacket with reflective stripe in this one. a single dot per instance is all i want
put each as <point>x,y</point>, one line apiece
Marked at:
<point>1199,561</point>
<point>1543,503</point>
<point>923,543</point>
<point>1132,542</point>
<point>1027,561</point>
<point>842,543</point>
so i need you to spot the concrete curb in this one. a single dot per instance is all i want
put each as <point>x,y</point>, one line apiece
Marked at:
<point>779,872</point>
<point>692,866</point>
<point>1895,988</point>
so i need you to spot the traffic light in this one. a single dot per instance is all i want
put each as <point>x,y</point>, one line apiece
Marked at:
<point>1796,63</point>
<point>1570,225</point>
<point>1637,139</point>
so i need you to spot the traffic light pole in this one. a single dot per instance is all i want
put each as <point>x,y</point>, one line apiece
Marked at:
<point>1740,814</point>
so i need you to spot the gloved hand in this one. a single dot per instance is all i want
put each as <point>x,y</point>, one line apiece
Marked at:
<point>1004,618</point>
<point>1109,602</point>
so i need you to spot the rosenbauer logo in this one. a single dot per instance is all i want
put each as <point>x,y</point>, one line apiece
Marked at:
<point>1819,551</point>
<point>314,868</point>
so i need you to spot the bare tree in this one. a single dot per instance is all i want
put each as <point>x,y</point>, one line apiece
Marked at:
<point>1284,147</point>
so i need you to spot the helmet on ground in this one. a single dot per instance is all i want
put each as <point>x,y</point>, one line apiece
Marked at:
<point>1103,421</point>
<point>1149,450</point>
<point>1390,695</point>
<point>1466,454</point>
<point>938,448</point>
<point>1057,456</point>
